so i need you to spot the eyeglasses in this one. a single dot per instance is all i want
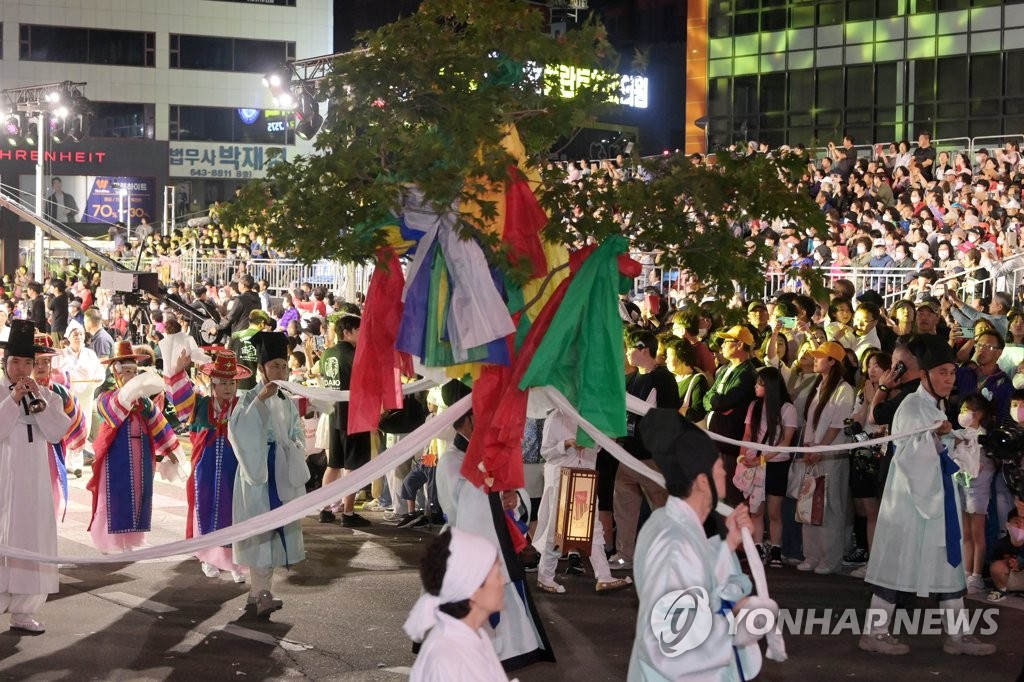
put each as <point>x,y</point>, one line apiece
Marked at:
<point>987,346</point>
<point>729,341</point>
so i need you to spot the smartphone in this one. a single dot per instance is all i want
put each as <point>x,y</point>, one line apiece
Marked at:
<point>899,370</point>
<point>788,322</point>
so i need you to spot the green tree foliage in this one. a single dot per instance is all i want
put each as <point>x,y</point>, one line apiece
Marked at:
<point>427,103</point>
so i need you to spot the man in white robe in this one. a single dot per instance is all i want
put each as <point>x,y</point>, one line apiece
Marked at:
<point>519,639</point>
<point>685,580</point>
<point>86,374</point>
<point>916,548</point>
<point>26,501</point>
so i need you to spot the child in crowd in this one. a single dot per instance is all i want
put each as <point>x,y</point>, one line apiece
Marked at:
<point>976,474</point>
<point>1008,559</point>
<point>297,366</point>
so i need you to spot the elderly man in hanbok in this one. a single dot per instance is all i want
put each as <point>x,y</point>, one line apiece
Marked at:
<point>46,375</point>
<point>685,580</point>
<point>560,449</point>
<point>85,373</point>
<point>132,436</point>
<point>268,439</point>
<point>214,465</point>
<point>917,548</point>
<point>519,637</point>
<point>26,522</point>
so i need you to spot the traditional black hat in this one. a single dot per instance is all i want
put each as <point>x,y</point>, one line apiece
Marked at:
<point>931,351</point>
<point>454,391</point>
<point>22,341</point>
<point>680,448</point>
<point>270,346</point>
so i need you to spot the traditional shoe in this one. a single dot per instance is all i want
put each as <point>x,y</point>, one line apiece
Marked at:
<point>619,584</point>
<point>27,625</point>
<point>266,604</point>
<point>238,577</point>
<point>210,571</point>
<point>968,645</point>
<point>553,588</point>
<point>882,644</point>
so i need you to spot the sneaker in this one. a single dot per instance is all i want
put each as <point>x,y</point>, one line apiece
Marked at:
<point>238,577</point>
<point>392,516</point>
<point>620,563</point>
<point>805,566</point>
<point>210,571</point>
<point>531,565</point>
<point>762,553</point>
<point>997,595</point>
<point>353,521</point>
<point>26,625</point>
<point>856,557</point>
<point>975,584</point>
<point>422,522</point>
<point>823,570</point>
<point>775,557</point>
<point>882,644</point>
<point>575,566</point>
<point>968,645</point>
<point>375,506</point>
<point>264,604</point>
<point>409,518</point>
<point>327,516</point>
<point>860,572</point>
<point>362,497</point>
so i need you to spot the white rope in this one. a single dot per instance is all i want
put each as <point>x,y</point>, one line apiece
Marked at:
<point>294,510</point>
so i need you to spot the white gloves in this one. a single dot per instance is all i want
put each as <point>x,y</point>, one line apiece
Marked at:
<point>143,385</point>
<point>744,636</point>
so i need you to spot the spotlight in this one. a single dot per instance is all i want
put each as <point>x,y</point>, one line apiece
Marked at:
<point>308,115</point>
<point>285,100</point>
<point>77,126</point>
<point>31,134</point>
<point>279,82</point>
<point>12,129</point>
<point>61,112</point>
<point>58,129</point>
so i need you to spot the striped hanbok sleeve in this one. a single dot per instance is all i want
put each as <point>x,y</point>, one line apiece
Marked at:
<point>179,387</point>
<point>110,410</point>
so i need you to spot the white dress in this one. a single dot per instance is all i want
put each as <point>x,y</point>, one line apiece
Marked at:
<point>453,652</point>
<point>26,498</point>
<point>673,553</point>
<point>908,553</point>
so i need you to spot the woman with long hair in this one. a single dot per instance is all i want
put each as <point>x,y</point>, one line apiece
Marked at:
<point>830,405</point>
<point>771,420</point>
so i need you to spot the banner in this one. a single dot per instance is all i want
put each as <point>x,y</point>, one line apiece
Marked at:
<point>217,160</point>
<point>113,199</point>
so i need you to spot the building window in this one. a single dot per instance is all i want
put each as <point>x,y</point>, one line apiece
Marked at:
<point>223,124</point>
<point>122,119</point>
<point>212,53</point>
<point>73,45</point>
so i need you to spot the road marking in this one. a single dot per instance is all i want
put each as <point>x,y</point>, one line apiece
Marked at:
<point>136,602</point>
<point>400,669</point>
<point>256,636</point>
<point>373,556</point>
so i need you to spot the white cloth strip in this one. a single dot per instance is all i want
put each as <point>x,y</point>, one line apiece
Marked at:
<point>410,445</point>
<point>637,406</point>
<point>324,398</point>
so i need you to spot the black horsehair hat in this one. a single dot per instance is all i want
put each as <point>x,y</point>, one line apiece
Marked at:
<point>21,342</point>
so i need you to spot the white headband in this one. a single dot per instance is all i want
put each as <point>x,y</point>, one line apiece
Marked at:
<point>470,559</point>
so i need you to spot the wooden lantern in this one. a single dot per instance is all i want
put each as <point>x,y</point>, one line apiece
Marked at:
<point>574,523</point>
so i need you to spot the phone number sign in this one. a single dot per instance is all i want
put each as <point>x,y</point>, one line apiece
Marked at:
<point>213,160</point>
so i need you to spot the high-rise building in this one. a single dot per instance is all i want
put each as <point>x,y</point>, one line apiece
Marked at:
<point>175,87</point>
<point>797,71</point>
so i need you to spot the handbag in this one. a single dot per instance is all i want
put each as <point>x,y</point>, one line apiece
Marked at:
<point>323,432</point>
<point>810,501</point>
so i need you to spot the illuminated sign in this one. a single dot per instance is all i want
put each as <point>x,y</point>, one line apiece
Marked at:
<point>248,116</point>
<point>633,89</point>
<point>212,160</point>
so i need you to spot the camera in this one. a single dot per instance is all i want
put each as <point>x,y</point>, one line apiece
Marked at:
<point>128,298</point>
<point>853,429</point>
<point>1005,445</point>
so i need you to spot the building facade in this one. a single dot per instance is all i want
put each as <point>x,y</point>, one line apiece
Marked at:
<point>796,71</point>
<point>176,92</point>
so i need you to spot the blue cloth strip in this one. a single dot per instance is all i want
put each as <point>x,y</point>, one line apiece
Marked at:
<point>952,519</point>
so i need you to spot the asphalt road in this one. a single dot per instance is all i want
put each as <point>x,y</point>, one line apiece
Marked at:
<point>344,607</point>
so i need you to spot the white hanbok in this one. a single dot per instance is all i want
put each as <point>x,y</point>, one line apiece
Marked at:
<point>453,652</point>
<point>469,509</point>
<point>26,498</point>
<point>908,553</point>
<point>85,374</point>
<point>673,553</point>
<point>255,425</point>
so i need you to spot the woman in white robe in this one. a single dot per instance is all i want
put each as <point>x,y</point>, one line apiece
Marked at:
<point>463,587</point>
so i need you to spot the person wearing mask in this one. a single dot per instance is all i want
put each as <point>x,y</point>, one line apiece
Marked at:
<point>86,374</point>
<point>27,521</point>
<point>729,397</point>
<point>917,540</point>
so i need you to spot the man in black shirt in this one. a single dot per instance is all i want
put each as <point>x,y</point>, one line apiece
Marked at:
<point>241,305</point>
<point>347,452</point>
<point>924,155</point>
<point>654,384</point>
<point>37,306</point>
<point>59,308</point>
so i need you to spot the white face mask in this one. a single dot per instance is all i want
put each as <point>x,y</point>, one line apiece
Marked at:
<point>861,250</point>
<point>1018,382</point>
<point>955,241</point>
<point>1016,534</point>
<point>944,255</point>
<point>966,419</point>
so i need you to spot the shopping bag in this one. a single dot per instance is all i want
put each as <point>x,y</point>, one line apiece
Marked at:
<point>810,502</point>
<point>796,478</point>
